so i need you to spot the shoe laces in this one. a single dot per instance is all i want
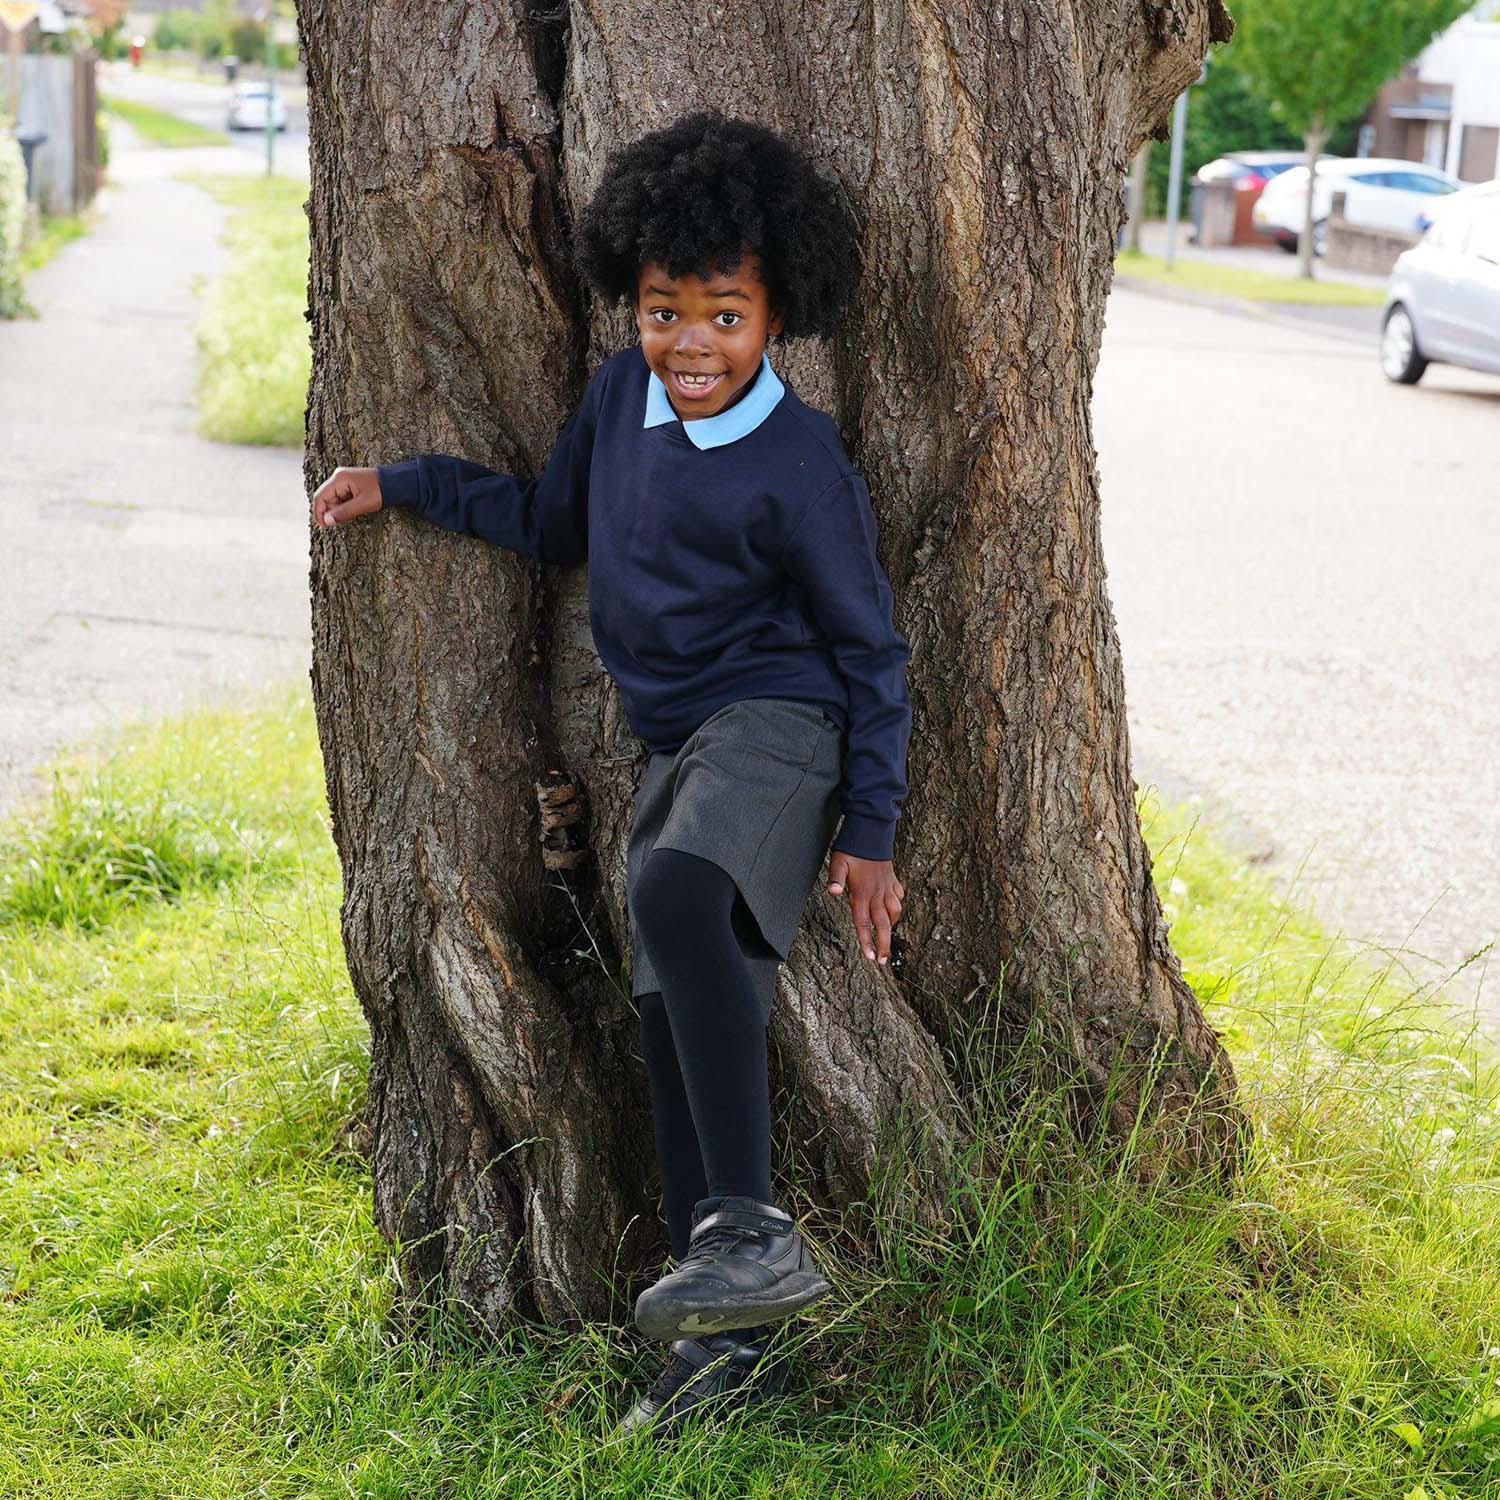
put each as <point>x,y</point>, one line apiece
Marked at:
<point>721,1237</point>
<point>675,1373</point>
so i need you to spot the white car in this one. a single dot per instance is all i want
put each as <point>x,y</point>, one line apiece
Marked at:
<point>1442,303</point>
<point>247,108</point>
<point>1380,193</point>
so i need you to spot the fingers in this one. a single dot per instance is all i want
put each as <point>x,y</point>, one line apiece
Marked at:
<point>838,871</point>
<point>327,495</point>
<point>346,510</point>
<point>893,906</point>
<point>862,927</point>
<point>341,497</point>
<point>874,917</point>
<point>882,931</point>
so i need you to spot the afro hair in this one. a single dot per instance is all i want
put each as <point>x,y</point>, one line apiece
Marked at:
<point>696,193</point>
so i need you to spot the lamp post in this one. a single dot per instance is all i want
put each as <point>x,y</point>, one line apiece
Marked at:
<point>1174,168</point>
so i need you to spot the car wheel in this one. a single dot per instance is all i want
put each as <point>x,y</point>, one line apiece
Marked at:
<point>1289,245</point>
<point>1400,357</point>
<point>1319,234</point>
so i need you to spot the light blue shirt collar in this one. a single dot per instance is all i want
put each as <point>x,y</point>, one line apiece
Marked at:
<point>723,427</point>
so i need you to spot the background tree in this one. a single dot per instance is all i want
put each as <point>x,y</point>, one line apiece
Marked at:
<point>1226,113</point>
<point>1319,61</point>
<point>480,772</point>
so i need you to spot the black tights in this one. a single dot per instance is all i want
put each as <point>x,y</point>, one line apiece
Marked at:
<point>702,1036</point>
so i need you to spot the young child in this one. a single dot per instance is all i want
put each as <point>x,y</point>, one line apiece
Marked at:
<point>736,598</point>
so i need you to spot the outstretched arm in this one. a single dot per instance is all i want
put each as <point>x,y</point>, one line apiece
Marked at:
<point>545,518</point>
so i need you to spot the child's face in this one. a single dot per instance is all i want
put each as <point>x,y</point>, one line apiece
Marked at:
<point>716,328</point>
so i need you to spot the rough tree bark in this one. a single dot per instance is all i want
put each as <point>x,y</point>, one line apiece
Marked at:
<point>479,767</point>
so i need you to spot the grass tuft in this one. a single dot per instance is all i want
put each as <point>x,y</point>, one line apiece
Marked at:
<point>159,126</point>
<point>254,349</point>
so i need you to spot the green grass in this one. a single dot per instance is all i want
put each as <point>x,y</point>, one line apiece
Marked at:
<point>57,230</point>
<point>194,1301</point>
<point>161,128</point>
<point>1236,281</point>
<point>254,349</point>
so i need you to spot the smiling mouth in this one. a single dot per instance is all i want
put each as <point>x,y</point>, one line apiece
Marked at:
<point>694,386</point>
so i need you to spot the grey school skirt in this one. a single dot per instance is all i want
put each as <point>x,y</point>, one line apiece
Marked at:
<point>755,790</point>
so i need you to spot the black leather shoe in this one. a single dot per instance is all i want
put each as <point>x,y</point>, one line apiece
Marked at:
<point>746,1263</point>
<point>706,1377</point>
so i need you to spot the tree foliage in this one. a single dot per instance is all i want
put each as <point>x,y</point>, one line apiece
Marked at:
<point>1316,62</point>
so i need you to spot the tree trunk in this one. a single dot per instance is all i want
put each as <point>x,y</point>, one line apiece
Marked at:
<point>479,767</point>
<point>1313,143</point>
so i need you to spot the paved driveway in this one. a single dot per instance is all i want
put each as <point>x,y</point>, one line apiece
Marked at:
<point>146,567</point>
<point>1303,560</point>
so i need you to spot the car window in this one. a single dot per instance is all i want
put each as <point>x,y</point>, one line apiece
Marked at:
<point>1420,182</point>
<point>1371,179</point>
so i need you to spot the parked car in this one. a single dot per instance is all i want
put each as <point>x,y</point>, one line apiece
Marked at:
<point>1466,194</point>
<point>1379,192</point>
<point>1442,303</point>
<point>1254,169</point>
<point>249,103</point>
<point>1244,173</point>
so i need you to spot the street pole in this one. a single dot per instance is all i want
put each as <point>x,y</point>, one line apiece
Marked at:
<point>270,87</point>
<point>1174,173</point>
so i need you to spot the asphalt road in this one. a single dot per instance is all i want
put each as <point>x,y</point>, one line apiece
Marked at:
<point>1303,562</point>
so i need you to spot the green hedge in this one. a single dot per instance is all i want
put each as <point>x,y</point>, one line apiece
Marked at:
<point>12,224</point>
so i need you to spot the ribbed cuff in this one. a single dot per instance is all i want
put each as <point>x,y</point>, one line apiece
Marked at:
<point>866,837</point>
<point>399,483</point>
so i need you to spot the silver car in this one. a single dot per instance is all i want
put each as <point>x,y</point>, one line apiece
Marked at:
<point>1442,303</point>
<point>251,103</point>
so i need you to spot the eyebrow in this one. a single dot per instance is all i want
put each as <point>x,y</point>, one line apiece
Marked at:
<point>662,291</point>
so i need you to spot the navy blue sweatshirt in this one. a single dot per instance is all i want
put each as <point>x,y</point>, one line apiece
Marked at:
<point>730,556</point>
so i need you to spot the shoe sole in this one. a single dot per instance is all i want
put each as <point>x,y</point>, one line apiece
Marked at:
<point>666,1317</point>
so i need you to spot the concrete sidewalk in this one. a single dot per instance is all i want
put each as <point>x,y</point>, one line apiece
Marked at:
<point>148,568</point>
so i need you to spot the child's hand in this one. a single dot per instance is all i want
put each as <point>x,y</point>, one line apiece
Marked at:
<point>345,494</point>
<point>875,897</point>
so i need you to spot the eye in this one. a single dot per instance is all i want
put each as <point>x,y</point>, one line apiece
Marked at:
<point>730,313</point>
